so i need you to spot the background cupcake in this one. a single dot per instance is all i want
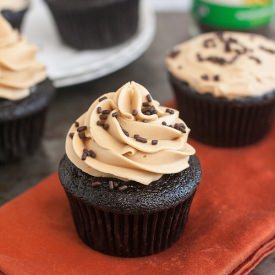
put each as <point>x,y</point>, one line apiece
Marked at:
<point>224,85</point>
<point>129,174</point>
<point>25,93</point>
<point>14,11</point>
<point>95,24</point>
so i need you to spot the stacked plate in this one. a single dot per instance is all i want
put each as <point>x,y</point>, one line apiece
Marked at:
<point>67,66</point>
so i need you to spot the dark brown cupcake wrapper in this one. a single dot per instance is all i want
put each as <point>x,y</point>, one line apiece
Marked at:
<point>223,122</point>
<point>129,235</point>
<point>95,27</point>
<point>22,136</point>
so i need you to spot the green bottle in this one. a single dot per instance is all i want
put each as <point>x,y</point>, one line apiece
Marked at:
<point>237,15</point>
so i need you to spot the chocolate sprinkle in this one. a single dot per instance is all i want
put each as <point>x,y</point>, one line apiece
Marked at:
<point>267,50</point>
<point>164,123</point>
<point>256,59</point>
<point>154,142</point>
<point>149,98</point>
<point>100,123</point>
<point>146,104</point>
<point>99,110</point>
<point>134,112</point>
<point>102,98</point>
<point>82,135</point>
<point>199,57</point>
<point>170,111</point>
<point>115,114</point>
<point>174,53</point>
<point>71,135</point>
<point>209,43</point>
<point>96,184</point>
<point>204,77</point>
<point>180,127</point>
<point>84,154</point>
<point>220,35</point>
<point>106,112</point>
<point>216,60</point>
<point>140,139</point>
<point>91,154</point>
<point>103,117</point>
<point>125,133</point>
<point>123,187</point>
<point>106,126</point>
<point>81,129</point>
<point>216,78</point>
<point>76,124</point>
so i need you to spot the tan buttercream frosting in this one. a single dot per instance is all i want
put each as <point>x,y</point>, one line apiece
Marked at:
<point>227,64</point>
<point>104,143</point>
<point>14,5</point>
<point>19,68</point>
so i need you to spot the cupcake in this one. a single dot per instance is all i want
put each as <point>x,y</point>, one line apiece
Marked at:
<point>14,11</point>
<point>25,93</point>
<point>129,174</point>
<point>224,86</point>
<point>95,24</point>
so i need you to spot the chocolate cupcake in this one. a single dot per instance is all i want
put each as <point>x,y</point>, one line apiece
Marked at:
<point>224,86</point>
<point>25,93</point>
<point>95,24</point>
<point>14,11</point>
<point>129,174</point>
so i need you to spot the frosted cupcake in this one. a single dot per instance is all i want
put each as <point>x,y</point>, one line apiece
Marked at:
<point>129,173</point>
<point>224,85</point>
<point>25,93</point>
<point>95,24</point>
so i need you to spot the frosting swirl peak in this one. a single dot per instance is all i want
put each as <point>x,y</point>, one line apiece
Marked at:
<point>19,68</point>
<point>128,135</point>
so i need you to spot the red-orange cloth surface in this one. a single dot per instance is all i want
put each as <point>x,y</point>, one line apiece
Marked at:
<point>231,225</point>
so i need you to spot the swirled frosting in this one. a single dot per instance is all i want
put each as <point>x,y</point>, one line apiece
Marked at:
<point>128,135</point>
<point>227,64</point>
<point>14,5</point>
<point>19,68</point>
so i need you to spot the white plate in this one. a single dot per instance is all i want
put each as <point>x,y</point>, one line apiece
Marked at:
<point>67,66</point>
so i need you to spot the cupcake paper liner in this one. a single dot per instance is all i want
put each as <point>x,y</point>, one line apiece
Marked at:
<point>223,122</point>
<point>129,235</point>
<point>96,26</point>
<point>14,18</point>
<point>21,136</point>
<point>22,122</point>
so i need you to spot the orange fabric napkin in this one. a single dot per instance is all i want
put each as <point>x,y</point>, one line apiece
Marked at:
<point>231,226</point>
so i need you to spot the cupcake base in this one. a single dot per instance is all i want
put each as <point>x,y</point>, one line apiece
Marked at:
<point>97,24</point>
<point>139,221</point>
<point>223,122</point>
<point>22,123</point>
<point>15,18</point>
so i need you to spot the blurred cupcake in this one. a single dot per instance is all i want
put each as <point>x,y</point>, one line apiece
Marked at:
<point>129,174</point>
<point>14,11</point>
<point>95,24</point>
<point>224,85</point>
<point>25,93</point>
